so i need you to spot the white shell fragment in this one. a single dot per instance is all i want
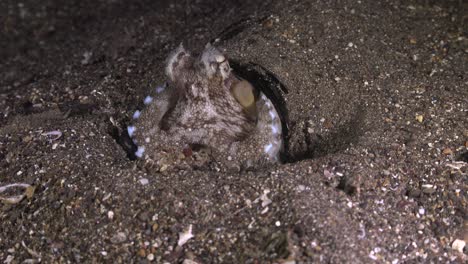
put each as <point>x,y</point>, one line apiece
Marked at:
<point>144,181</point>
<point>185,236</point>
<point>458,245</point>
<point>264,198</point>
<point>14,198</point>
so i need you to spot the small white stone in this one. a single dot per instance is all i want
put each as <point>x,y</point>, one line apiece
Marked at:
<point>458,245</point>
<point>277,223</point>
<point>118,238</point>
<point>189,261</point>
<point>9,259</point>
<point>421,211</point>
<point>110,215</point>
<point>264,198</point>
<point>150,257</point>
<point>144,181</point>
<point>104,253</point>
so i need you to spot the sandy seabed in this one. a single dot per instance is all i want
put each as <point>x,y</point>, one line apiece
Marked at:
<point>376,167</point>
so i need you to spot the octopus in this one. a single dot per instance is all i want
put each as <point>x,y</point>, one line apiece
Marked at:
<point>204,107</point>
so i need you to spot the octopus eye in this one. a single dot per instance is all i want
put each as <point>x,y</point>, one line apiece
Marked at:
<point>214,62</point>
<point>225,69</point>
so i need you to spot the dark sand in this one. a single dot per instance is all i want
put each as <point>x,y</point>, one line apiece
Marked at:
<point>378,133</point>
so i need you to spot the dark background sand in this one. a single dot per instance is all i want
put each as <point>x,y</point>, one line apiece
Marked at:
<point>378,124</point>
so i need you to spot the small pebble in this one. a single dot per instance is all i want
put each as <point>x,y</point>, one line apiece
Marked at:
<point>155,227</point>
<point>419,118</point>
<point>110,215</point>
<point>163,168</point>
<point>458,245</point>
<point>421,211</point>
<point>189,261</point>
<point>9,259</point>
<point>428,188</point>
<point>141,252</point>
<point>150,257</point>
<point>447,151</point>
<point>144,181</point>
<point>120,237</point>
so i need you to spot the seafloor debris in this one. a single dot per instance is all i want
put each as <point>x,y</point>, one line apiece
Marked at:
<point>16,198</point>
<point>185,236</point>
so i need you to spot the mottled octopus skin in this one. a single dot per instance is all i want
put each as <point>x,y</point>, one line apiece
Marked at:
<point>204,104</point>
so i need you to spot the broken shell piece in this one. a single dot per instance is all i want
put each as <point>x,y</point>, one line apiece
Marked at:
<point>28,191</point>
<point>185,236</point>
<point>264,198</point>
<point>56,134</point>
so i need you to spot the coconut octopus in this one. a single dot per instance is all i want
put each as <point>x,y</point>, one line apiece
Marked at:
<point>205,107</point>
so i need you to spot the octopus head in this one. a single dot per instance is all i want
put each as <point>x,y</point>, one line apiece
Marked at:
<point>208,73</point>
<point>214,63</point>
